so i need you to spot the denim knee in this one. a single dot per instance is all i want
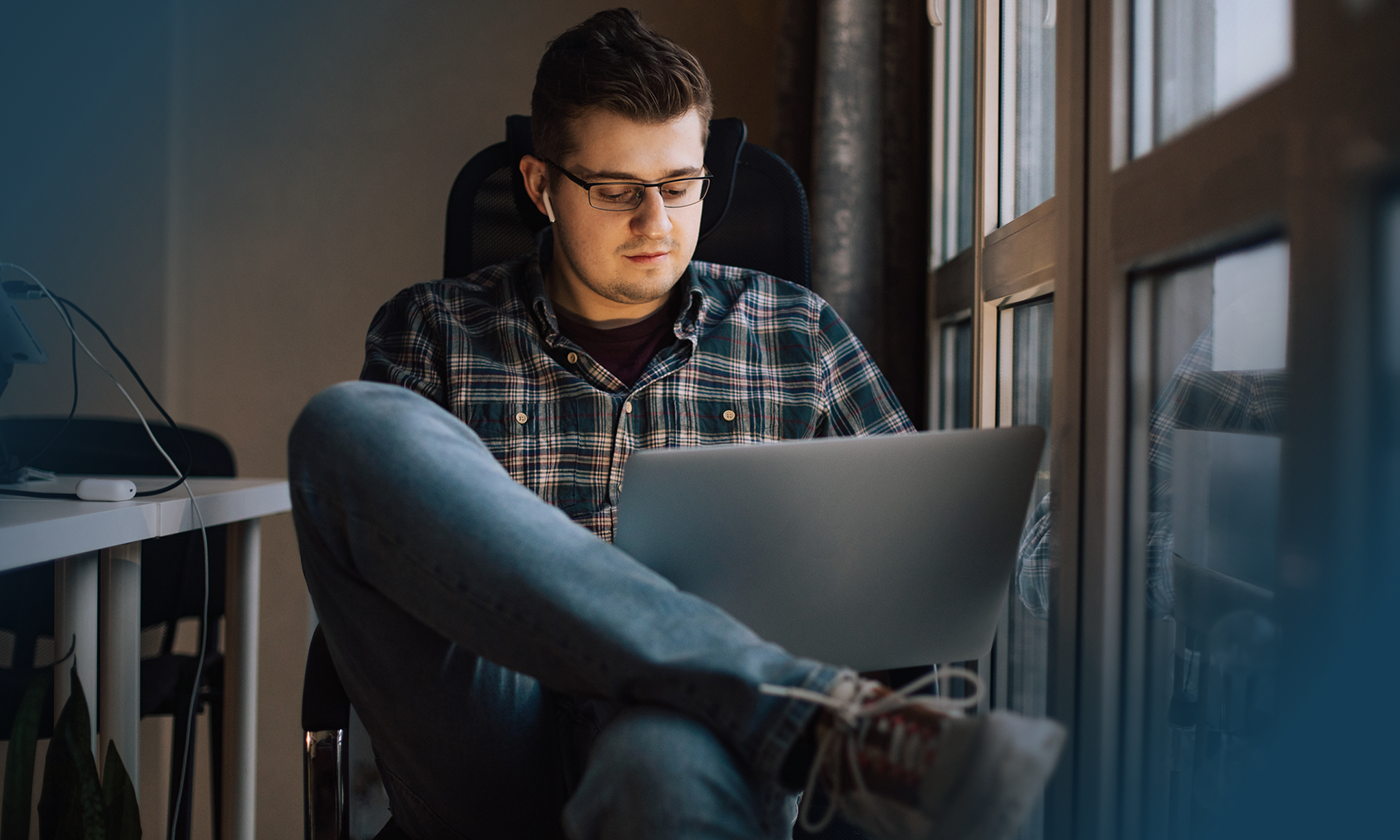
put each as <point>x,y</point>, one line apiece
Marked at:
<point>330,420</point>
<point>654,773</point>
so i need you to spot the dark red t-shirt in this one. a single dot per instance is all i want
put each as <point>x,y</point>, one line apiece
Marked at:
<point>624,351</point>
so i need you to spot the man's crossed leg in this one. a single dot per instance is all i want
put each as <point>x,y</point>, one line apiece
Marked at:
<point>442,583</point>
<point>518,674</point>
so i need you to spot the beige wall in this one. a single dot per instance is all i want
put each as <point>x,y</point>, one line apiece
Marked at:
<point>233,188</point>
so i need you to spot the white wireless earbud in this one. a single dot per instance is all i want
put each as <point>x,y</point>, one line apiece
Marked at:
<point>548,210</point>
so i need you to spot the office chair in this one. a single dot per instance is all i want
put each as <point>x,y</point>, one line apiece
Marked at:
<point>172,586</point>
<point>755,216</point>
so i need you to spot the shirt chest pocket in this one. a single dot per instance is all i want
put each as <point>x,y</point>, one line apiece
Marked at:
<point>713,422</point>
<point>544,446</point>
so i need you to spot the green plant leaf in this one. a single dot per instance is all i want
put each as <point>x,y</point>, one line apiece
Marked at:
<point>70,805</point>
<point>119,799</point>
<point>19,760</point>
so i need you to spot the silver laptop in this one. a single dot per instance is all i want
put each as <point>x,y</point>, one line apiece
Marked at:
<point>874,552</point>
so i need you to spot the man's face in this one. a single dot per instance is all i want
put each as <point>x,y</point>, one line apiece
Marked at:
<point>620,263</point>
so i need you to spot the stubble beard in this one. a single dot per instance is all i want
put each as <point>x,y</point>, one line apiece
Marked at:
<point>649,287</point>
<point>648,290</point>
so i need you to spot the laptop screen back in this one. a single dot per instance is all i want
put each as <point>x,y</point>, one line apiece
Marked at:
<point>872,553</point>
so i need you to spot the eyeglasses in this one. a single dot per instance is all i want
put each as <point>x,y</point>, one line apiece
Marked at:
<point>627,195</point>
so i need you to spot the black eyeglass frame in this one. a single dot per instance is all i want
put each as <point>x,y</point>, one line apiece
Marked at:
<point>588,188</point>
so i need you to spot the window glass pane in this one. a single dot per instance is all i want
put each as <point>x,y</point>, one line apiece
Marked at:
<point>1193,58</point>
<point>959,128</point>
<point>955,376</point>
<point>966,28</point>
<point>1028,105</point>
<point>1025,640</point>
<point>1207,403</point>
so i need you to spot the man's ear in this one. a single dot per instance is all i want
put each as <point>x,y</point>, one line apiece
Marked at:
<point>536,175</point>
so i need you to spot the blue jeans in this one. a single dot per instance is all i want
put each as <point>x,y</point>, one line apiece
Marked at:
<point>519,676</point>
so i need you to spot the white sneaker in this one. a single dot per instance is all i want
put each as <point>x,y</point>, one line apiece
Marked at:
<point>906,767</point>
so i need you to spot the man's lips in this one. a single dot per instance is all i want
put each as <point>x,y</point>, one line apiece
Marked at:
<point>649,258</point>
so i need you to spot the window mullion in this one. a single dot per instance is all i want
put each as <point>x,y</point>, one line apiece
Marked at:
<point>983,317</point>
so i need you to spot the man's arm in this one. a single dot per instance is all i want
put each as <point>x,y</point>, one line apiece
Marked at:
<point>857,397</point>
<point>404,345</point>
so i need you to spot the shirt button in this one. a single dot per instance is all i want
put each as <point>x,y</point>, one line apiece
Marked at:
<point>729,415</point>
<point>573,358</point>
<point>522,418</point>
<point>627,406</point>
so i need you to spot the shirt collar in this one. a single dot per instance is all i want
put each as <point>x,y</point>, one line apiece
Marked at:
<point>690,322</point>
<point>533,285</point>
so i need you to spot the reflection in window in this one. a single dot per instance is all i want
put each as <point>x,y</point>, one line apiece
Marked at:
<point>1024,641</point>
<point>1207,403</point>
<point>955,375</point>
<point>1028,105</point>
<point>1193,58</point>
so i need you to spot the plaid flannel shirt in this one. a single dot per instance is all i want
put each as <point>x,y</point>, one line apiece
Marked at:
<point>756,359</point>
<point>1196,398</point>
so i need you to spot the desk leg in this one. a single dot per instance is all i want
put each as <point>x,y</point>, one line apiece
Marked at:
<point>75,624</point>
<point>119,651</point>
<point>241,680</point>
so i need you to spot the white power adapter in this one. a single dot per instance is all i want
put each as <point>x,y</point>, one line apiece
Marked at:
<point>106,490</point>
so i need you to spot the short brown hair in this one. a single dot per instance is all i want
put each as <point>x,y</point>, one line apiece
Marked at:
<point>616,62</point>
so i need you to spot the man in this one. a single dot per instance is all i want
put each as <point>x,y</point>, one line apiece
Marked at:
<point>520,676</point>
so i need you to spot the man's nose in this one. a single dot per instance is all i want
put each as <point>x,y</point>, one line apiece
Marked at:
<point>650,219</point>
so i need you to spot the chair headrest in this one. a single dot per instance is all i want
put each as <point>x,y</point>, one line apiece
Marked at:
<point>726,139</point>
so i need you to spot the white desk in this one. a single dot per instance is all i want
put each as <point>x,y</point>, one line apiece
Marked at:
<point>97,577</point>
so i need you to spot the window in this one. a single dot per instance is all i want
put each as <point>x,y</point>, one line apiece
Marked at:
<point>1021,667</point>
<point>1015,172</point>
<point>1027,175</point>
<point>953,390</point>
<point>1193,58</point>
<point>955,129</point>
<point>1207,407</point>
<point>1182,217</point>
<point>993,286</point>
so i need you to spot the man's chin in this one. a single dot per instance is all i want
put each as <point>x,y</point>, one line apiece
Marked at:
<point>646,284</point>
<point>640,292</point>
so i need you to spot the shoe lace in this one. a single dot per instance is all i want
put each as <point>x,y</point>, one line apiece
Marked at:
<point>848,704</point>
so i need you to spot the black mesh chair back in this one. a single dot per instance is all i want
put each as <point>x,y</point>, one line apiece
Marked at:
<point>755,215</point>
<point>172,581</point>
